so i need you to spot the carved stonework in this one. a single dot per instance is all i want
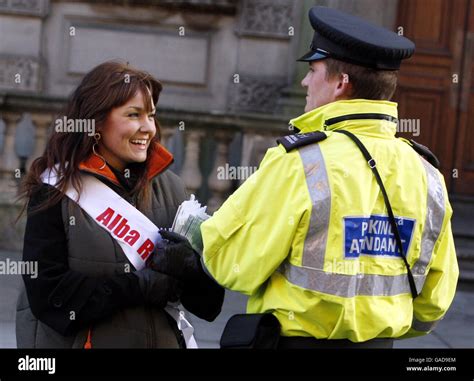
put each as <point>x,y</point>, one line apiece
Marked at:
<point>200,21</point>
<point>213,6</point>
<point>227,7</point>
<point>256,93</point>
<point>19,73</point>
<point>25,7</point>
<point>267,18</point>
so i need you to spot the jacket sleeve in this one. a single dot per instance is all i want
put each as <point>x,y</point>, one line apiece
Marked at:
<point>203,298</point>
<point>63,299</point>
<point>251,234</point>
<point>439,287</point>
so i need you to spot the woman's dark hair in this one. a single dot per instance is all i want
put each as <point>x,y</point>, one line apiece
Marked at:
<point>107,86</point>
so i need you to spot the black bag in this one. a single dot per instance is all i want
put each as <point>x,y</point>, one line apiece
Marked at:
<point>245,331</point>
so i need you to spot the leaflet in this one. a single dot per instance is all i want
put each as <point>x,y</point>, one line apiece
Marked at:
<point>188,220</point>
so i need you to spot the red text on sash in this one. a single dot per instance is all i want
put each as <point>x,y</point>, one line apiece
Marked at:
<point>118,226</point>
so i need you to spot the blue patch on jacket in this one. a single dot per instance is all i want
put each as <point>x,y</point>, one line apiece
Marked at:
<point>373,236</point>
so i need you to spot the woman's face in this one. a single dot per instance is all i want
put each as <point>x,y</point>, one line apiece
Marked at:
<point>127,133</point>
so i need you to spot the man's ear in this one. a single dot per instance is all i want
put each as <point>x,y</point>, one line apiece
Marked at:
<point>343,88</point>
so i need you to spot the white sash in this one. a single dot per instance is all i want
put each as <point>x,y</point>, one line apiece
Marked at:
<point>135,233</point>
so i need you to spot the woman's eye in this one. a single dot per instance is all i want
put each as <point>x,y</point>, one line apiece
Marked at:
<point>133,115</point>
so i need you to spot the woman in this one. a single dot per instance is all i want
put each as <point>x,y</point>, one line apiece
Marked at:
<point>87,293</point>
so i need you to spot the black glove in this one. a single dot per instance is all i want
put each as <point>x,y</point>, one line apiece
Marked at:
<point>202,295</point>
<point>157,288</point>
<point>177,259</point>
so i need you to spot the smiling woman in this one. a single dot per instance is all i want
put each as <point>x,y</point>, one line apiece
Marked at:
<point>86,293</point>
<point>120,100</point>
<point>128,131</point>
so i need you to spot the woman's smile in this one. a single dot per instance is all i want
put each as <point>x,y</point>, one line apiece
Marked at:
<point>128,132</point>
<point>140,144</point>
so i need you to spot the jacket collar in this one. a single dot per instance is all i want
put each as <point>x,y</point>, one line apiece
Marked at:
<point>160,158</point>
<point>316,119</point>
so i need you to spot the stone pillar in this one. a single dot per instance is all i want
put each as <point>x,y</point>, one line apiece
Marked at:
<point>254,147</point>
<point>9,160</point>
<point>304,38</point>
<point>293,96</point>
<point>166,135</point>
<point>41,122</point>
<point>191,173</point>
<point>219,187</point>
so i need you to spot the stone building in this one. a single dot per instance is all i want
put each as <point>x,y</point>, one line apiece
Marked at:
<point>230,79</point>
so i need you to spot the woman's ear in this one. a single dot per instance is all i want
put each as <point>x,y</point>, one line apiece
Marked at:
<point>343,88</point>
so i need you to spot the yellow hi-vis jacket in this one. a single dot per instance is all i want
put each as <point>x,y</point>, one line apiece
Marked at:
<point>308,238</point>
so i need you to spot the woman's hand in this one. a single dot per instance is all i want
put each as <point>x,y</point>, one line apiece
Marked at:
<point>177,258</point>
<point>202,295</point>
<point>157,288</point>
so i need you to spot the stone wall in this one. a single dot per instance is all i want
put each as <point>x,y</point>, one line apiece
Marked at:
<point>228,69</point>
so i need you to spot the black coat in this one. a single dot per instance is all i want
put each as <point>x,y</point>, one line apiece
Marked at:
<point>91,298</point>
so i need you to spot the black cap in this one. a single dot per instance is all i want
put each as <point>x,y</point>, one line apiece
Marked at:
<point>351,39</point>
